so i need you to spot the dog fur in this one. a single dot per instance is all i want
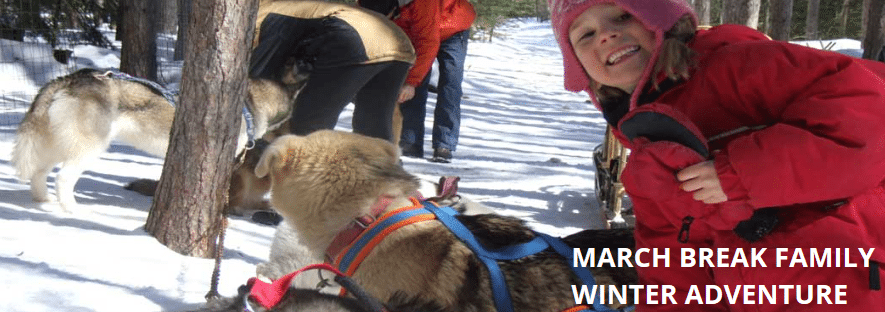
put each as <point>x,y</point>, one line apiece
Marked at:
<point>74,118</point>
<point>321,182</point>
<point>308,300</point>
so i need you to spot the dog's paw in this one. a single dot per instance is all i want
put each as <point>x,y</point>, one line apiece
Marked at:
<point>39,194</point>
<point>64,209</point>
<point>41,198</point>
<point>73,209</point>
<point>51,207</point>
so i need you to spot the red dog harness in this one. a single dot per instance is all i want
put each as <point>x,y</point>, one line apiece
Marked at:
<point>270,295</point>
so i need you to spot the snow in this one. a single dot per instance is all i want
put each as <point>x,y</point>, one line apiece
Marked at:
<point>525,150</point>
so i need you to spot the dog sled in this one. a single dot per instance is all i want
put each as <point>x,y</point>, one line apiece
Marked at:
<point>610,158</point>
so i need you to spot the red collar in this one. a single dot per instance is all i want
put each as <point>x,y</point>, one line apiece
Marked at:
<point>356,227</point>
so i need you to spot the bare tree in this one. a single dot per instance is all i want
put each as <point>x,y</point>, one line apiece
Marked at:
<point>192,192</point>
<point>138,57</point>
<point>542,12</point>
<point>743,12</point>
<point>702,8</point>
<point>780,19</point>
<point>872,38</point>
<point>811,20</point>
<point>167,13</point>
<point>864,12</point>
<point>843,18</point>
<point>184,10</point>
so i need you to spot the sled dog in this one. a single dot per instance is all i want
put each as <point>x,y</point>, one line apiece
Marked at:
<point>323,182</point>
<point>288,253</point>
<point>74,118</point>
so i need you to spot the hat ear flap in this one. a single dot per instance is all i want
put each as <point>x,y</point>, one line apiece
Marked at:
<point>657,122</point>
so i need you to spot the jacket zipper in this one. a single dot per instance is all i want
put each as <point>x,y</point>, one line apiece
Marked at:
<point>683,232</point>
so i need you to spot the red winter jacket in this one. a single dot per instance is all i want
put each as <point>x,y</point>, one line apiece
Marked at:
<point>429,22</point>
<point>811,144</point>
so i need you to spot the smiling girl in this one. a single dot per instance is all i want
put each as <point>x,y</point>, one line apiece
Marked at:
<point>724,125</point>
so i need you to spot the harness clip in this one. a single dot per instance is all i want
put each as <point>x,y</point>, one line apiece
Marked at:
<point>364,221</point>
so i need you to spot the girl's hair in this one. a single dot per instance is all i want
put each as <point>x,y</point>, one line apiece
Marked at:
<point>675,60</point>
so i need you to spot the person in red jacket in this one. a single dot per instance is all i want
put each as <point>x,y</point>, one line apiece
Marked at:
<point>738,144</point>
<point>438,29</point>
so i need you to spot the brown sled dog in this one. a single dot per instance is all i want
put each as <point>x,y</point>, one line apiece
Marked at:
<point>324,181</point>
<point>74,118</point>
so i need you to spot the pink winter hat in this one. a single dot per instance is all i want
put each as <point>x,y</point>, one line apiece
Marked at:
<point>657,15</point>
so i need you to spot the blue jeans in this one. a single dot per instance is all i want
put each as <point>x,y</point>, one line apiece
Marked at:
<point>447,114</point>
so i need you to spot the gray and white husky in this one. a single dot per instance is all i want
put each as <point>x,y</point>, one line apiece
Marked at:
<point>74,118</point>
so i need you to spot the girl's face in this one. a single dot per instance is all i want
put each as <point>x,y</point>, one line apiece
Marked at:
<point>612,45</point>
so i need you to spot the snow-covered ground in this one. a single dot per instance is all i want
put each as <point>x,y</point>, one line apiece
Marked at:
<point>525,150</point>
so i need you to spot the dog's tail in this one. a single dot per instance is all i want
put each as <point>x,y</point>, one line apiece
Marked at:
<point>28,154</point>
<point>27,158</point>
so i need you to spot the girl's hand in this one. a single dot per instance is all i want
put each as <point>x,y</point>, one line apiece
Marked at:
<point>701,180</point>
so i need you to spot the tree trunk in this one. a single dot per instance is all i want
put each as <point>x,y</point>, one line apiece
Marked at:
<point>864,12</point>
<point>121,26</point>
<point>71,14</point>
<point>780,16</point>
<point>188,207</point>
<point>702,8</point>
<point>167,13</point>
<point>541,10</point>
<point>184,11</point>
<point>811,20</point>
<point>95,6</point>
<point>872,37</point>
<point>138,57</point>
<point>743,12</point>
<point>843,18</point>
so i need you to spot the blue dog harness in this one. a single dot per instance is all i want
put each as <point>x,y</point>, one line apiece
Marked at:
<point>348,260</point>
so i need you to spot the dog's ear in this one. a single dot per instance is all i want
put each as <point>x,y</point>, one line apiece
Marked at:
<point>263,167</point>
<point>274,153</point>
